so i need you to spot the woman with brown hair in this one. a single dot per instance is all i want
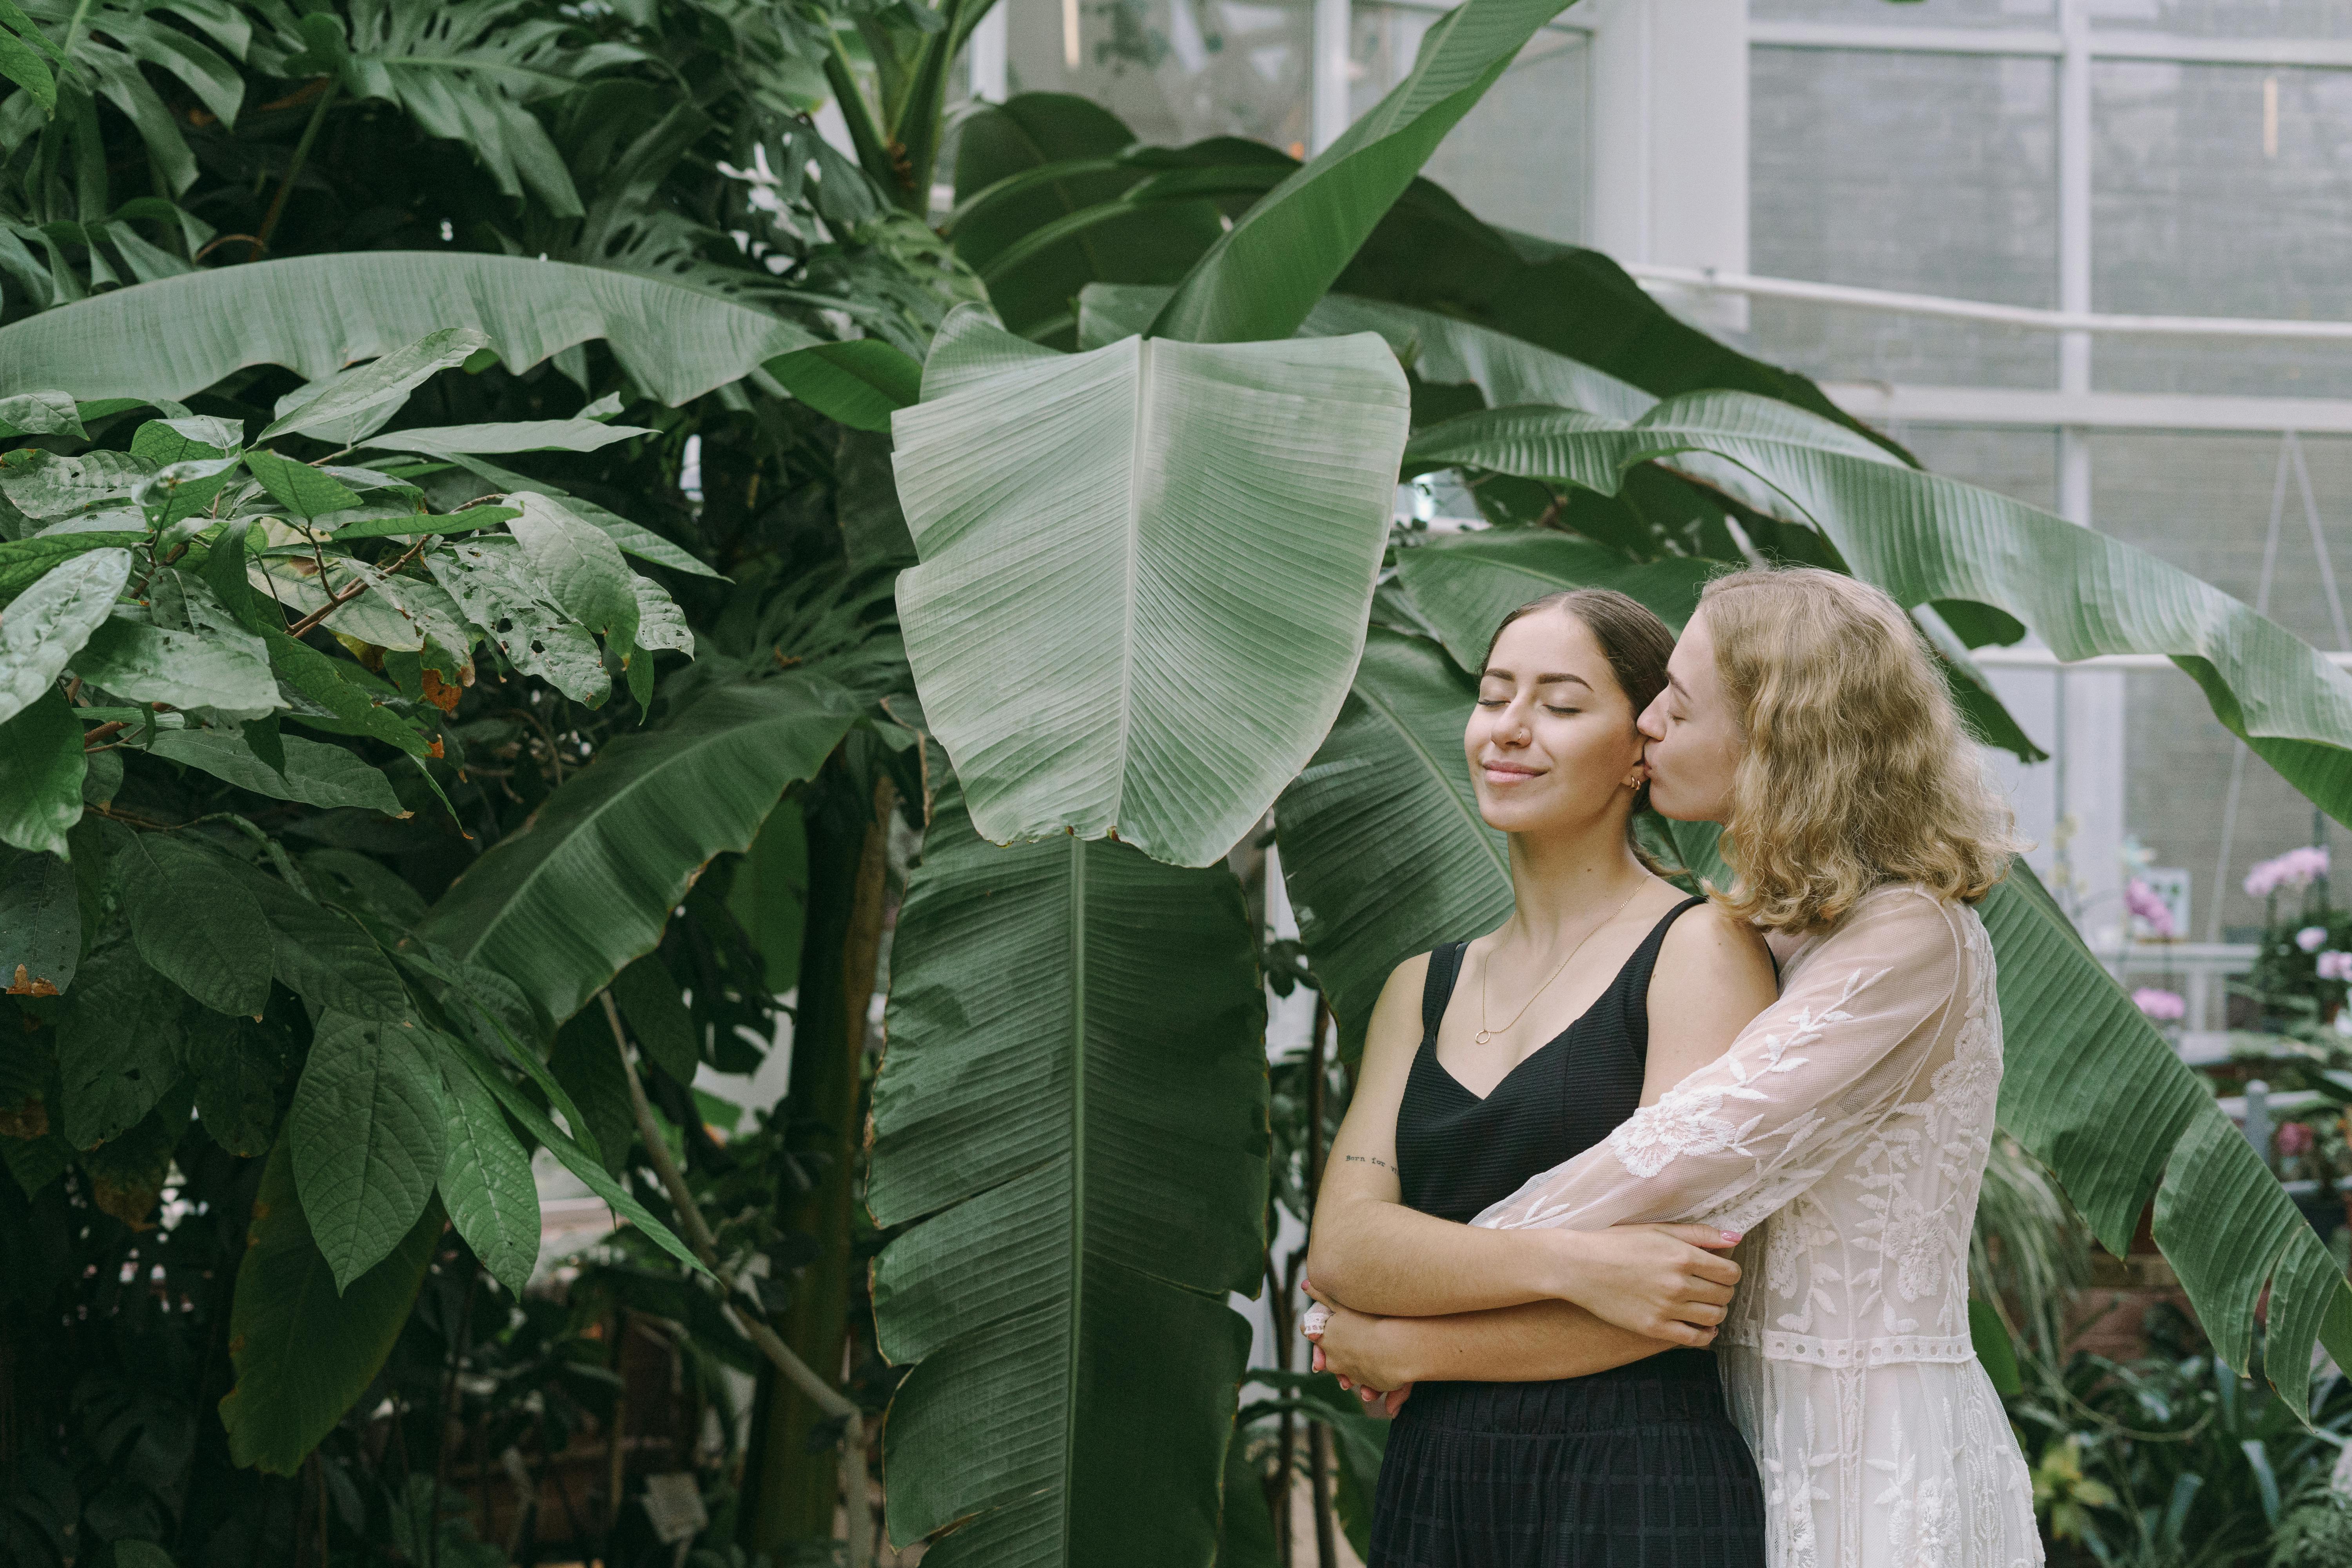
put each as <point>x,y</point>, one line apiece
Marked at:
<point>1845,1129</point>
<point>1595,1432</point>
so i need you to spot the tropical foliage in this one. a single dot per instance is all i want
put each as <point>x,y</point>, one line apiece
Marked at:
<point>507,228</point>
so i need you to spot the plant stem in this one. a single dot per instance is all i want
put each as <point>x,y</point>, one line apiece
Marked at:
<point>293,168</point>
<point>441,1417</point>
<point>873,157</point>
<point>697,1231</point>
<point>337,601</point>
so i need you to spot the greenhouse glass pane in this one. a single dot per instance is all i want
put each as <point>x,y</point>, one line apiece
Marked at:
<point>2227,18</point>
<point>1925,173</point>
<point>2221,191</point>
<point>2036,13</point>
<point>1175,70</point>
<point>2019,464</point>
<point>2202,501</point>
<point>1520,158</point>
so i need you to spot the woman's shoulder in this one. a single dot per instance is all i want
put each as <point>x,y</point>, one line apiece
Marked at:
<point>1907,921</point>
<point>1706,939</point>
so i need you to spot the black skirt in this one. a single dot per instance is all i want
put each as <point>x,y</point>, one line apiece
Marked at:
<point>1638,1468</point>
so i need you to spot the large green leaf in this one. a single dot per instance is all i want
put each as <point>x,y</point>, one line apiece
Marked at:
<point>492,582</point>
<point>588,885</point>
<point>302,1348</point>
<point>1030,132</point>
<point>1074,1094</point>
<point>1173,544</point>
<point>315,774</point>
<point>40,926</point>
<point>387,381</point>
<point>1505,369</point>
<point>1263,275</point>
<point>117,1044</point>
<point>1926,538</point>
<point>237,1069</point>
<point>1467,583</point>
<point>50,621</point>
<point>155,664</point>
<point>582,568</point>
<point>486,1183</point>
<point>196,921</point>
<point>41,771</point>
<point>369,1124</point>
<point>1383,851</point>
<point>316,315</point>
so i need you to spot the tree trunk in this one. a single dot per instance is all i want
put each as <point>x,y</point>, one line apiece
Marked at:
<point>789,1483</point>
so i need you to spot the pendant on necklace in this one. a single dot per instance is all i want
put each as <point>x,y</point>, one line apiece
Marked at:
<point>1481,1039</point>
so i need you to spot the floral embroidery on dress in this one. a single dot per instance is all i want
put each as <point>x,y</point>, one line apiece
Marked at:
<point>1846,1129</point>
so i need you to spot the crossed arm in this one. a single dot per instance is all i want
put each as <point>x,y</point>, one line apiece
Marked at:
<point>1416,1297</point>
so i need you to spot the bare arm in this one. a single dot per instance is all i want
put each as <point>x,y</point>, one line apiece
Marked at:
<point>1373,1252</point>
<point>1714,975</point>
<point>1368,1248</point>
<point>1537,1342</point>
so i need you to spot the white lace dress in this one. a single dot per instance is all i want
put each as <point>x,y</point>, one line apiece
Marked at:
<point>1845,1130</point>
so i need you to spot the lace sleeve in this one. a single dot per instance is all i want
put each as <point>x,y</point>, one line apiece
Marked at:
<point>1811,1075</point>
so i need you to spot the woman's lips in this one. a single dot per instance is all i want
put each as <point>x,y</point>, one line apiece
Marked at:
<point>1509,773</point>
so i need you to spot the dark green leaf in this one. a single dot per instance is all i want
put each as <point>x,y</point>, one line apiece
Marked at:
<point>164,442</point>
<point>573,1158</point>
<point>197,922</point>
<point>1995,1351</point>
<point>587,1062</point>
<point>41,771</point>
<point>237,1067</point>
<point>1054,1006</point>
<point>117,1044</point>
<point>323,955</point>
<point>300,489</point>
<point>127,1173</point>
<point>648,998</point>
<point>511,435</point>
<point>40,923</point>
<point>588,886</point>
<point>303,1350</point>
<point>860,383</point>
<point>320,679</point>
<point>368,1127</point>
<point>486,1183</point>
<point>313,774</point>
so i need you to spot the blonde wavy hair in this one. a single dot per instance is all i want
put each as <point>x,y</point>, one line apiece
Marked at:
<point>1858,770</point>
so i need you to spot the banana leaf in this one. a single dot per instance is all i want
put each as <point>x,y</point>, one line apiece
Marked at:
<point>1071,1117</point>
<point>316,315</point>
<point>1925,538</point>
<point>1145,572</point>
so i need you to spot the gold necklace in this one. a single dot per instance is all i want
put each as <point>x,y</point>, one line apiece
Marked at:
<point>1486,1033</point>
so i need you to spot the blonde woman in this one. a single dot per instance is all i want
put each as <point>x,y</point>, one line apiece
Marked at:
<point>1845,1129</point>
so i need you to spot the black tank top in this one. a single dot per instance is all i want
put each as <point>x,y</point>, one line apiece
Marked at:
<point>1457,1153</point>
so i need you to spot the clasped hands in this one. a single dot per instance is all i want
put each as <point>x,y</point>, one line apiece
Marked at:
<point>1665,1282</point>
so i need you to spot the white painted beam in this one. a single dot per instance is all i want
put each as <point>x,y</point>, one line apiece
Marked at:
<point>1881,403</point>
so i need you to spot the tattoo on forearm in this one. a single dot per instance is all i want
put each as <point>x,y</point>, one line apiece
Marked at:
<point>1366,1160</point>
